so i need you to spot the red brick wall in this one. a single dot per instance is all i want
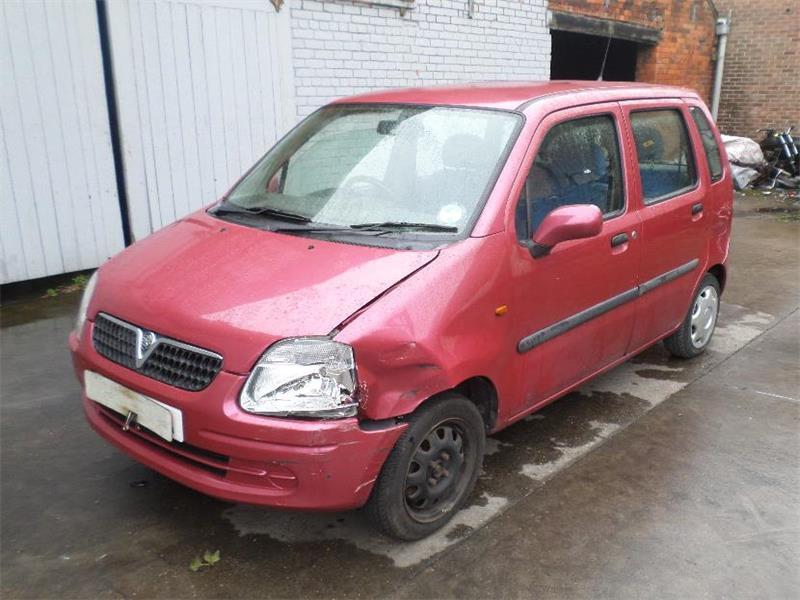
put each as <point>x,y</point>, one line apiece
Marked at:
<point>761,86</point>
<point>685,54</point>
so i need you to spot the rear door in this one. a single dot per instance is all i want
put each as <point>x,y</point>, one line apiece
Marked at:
<point>672,196</point>
<point>717,204</point>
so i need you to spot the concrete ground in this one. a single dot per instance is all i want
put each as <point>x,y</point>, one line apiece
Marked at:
<point>663,478</point>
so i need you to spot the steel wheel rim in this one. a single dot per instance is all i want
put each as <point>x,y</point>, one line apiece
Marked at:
<point>437,473</point>
<point>704,316</point>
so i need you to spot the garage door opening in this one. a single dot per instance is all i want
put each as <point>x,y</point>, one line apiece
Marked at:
<point>580,56</point>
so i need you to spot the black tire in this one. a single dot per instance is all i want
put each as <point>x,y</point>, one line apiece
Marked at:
<point>406,507</point>
<point>686,343</point>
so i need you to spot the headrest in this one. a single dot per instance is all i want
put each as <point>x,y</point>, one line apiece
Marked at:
<point>649,143</point>
<point>463,151</point>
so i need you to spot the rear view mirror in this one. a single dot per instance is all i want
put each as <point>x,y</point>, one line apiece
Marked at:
<point>571,222</point>
<point>387,126</point>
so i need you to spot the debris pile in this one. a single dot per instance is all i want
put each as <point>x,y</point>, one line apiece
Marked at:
<point>774,162</point>
<point>746,159</point>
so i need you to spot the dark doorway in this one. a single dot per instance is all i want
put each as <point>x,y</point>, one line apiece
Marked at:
<point>580,56</point>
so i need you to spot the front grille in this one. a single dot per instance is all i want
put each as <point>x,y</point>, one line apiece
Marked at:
<point>115,341</point>
<point>160,358</point>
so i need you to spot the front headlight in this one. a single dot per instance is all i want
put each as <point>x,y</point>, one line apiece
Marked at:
<point>88,291</point>
<point>303,377</point>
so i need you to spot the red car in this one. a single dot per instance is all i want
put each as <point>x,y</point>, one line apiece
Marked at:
<point>402,274</point>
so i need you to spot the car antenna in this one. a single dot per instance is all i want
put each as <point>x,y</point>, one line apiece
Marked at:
<point>605,56</point>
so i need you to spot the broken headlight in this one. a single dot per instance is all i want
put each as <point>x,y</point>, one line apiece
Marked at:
<point>303,377</point>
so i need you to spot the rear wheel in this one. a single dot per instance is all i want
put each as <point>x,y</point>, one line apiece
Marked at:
<point>695,333</point>
<point>431,471</point>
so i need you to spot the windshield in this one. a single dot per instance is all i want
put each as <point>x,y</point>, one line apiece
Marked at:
<point>367,167</point>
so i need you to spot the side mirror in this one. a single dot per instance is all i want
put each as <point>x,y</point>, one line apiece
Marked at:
<point>571,222</point>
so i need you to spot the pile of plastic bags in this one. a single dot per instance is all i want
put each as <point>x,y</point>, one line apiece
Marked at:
<point>747,159</point>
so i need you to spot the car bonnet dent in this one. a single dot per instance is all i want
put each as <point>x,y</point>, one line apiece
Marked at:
<point>361,309</point>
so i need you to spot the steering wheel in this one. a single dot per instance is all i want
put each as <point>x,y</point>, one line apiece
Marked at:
<point>386,193</point>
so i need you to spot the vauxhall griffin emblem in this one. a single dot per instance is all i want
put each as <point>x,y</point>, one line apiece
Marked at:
<point>147,340</point>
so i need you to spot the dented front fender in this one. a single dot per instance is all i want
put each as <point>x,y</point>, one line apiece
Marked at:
<point>433,331</point>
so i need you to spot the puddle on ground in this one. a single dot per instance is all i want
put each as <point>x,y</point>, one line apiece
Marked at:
<point>654,376</point>
<point>626,379</point>
<point>731,336</point>
<point>292,528</point>
<point>569,454</point>
<point>521,458</point>
<point>660,373</point>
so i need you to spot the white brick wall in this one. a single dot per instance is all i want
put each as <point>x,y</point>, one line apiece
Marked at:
<point>343,48</point>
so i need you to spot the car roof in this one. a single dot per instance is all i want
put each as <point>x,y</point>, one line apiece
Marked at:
<point>515,95</point>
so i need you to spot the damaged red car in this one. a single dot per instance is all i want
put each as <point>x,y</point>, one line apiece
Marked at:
<point>402,274</point>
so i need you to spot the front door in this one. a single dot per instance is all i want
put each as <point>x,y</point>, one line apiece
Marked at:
<point>577,301</point>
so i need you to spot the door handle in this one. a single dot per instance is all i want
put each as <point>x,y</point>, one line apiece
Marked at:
<point>697,208</point>
<point>619,239</point>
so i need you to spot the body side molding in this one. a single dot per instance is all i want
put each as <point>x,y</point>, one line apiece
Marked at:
<point>652,284</point>
<point>547,333</point>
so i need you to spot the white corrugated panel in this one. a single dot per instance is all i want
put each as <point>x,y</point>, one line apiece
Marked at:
<point>204,88</point>
<point>59,210</point>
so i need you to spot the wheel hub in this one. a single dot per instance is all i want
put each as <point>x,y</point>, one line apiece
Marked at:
<point>704,316</point>
<point>435,472</point>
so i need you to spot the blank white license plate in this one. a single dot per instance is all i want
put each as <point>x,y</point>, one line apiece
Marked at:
<point>163,420</point>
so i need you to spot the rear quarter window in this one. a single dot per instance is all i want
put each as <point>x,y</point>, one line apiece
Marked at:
<point>709,143</point>
<point>666,163</point>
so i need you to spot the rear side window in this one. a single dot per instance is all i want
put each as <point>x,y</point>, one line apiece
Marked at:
<point>577,163</point>
<point>709,143</point>
<point>666,165</point>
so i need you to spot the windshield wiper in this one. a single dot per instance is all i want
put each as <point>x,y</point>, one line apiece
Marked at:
<point>374,229</point>
<point>303,228</point>
<point>396,225</point>
<point>271,212</point>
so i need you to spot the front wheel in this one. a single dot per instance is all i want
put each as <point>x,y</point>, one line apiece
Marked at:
<point>695,333</point>
<point>431,471</point>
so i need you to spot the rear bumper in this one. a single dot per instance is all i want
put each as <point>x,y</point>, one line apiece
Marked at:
<point>239,457</point>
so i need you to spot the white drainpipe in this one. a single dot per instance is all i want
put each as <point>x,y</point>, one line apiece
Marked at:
<point>723,28</point>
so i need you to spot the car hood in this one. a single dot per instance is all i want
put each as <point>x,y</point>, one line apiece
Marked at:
<point>235,290</point>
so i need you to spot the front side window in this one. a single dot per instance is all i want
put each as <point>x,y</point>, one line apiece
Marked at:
<point>577,163</point>
<point>709,143</point>
<point>666,165</point>
<point>393,170</point>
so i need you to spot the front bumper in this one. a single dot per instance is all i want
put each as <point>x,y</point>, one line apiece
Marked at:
<point>240,457</point>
